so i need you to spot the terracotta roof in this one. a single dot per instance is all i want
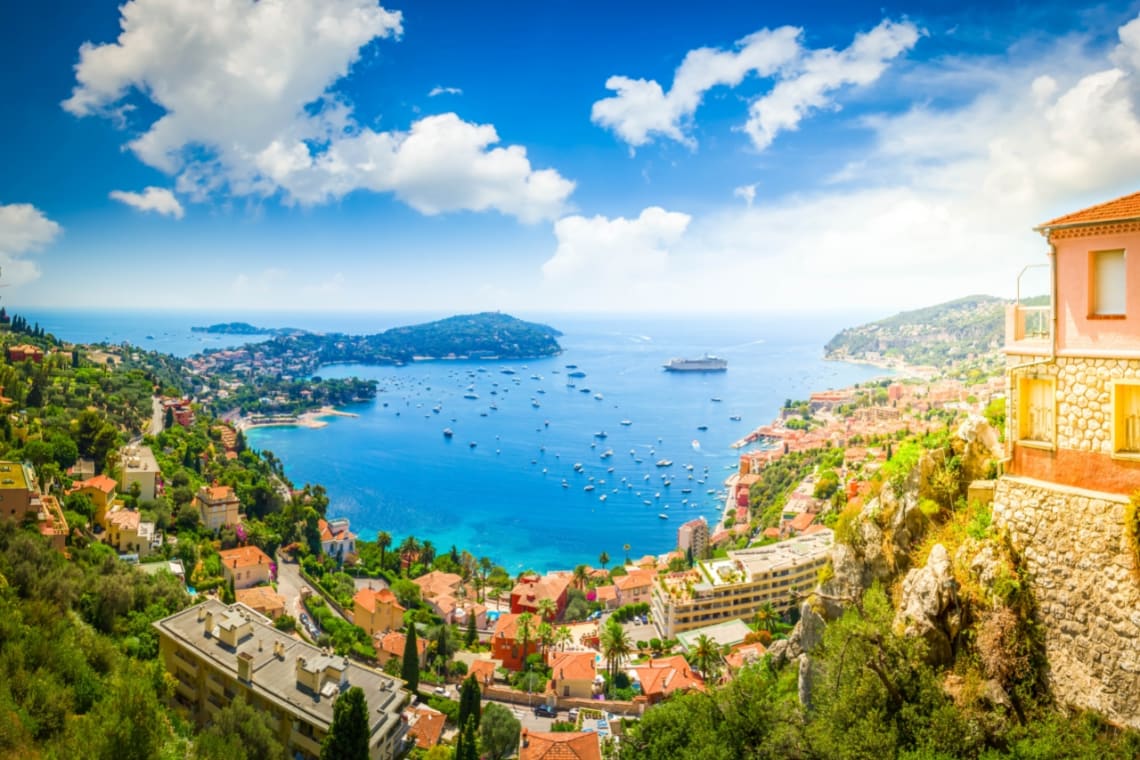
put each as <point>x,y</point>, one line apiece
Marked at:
<point>217,493</point>
<point>438,583</point>
<point>428,727</point>
<point>576,666</point>
<point>666,675</point>
<point>530,590</point>
<point>483,670</point>
<point>507,626</point>
<point>260,598</point>
<point>1124,207</point>
<point>635,579</point>
<point>99,482</point>
<point>126,519</point>
<point>367,598</point>
<point>393,643</point>
<point>745,653</point>
<point>605,593</point>
<point>801,521</point>
<point>243,556</point>
<point>563,745</point>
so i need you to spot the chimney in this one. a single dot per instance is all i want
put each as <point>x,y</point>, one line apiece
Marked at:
<point>525,739</point>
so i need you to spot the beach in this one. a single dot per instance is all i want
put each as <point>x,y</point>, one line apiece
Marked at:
<point>313,419</point>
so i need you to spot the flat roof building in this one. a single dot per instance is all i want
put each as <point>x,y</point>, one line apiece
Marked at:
<point>216,652</point>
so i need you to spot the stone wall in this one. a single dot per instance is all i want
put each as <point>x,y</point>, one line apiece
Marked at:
<point>1084,580</point>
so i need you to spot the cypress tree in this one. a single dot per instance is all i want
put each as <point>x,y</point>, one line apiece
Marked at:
<point>472,636</point>
<point>411,668</point>
<point>347,738</point>
<point>470,702</point>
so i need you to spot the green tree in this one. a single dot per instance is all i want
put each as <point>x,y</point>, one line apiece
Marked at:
<point>238,732</point>
<point>384,542</point>
<point>499,731</point>
<point>616,646</point>
<point>443,645</point>
<point>472,637</point>
<point>523,628</point>
<point>347,738</point>
<point>470,702</point>
<point>706,657</point>
<point>406,592</point>
<point>563,636</point>
<point>767,618</point>
<point>547,608</point>
<point>410,671</point>
<point>581,577</point>
<point>603,560</point>
<point>467,745</point>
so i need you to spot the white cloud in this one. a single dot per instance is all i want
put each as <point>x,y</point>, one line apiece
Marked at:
<point>642,109</point>
<point>248,106</point>
<point>747,192</point>
<point>437,90</point>
<point>808,83</point>
<point>23,229</point>
<point>156,199</point>
<point>609,261</point>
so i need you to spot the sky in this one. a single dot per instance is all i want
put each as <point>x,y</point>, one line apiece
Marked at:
<point>556,156</point>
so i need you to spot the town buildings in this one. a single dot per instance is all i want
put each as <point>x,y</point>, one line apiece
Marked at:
<point>128,533</point>
<point>377,611</point>
<point>217,652</point>
<point>217,507</point>
<point>531,589</point>
<point>507,645</point>
<point>337,541</point>
<point>665,675</point>
<point>138,465</point>
<point>245,566</point>
<point>572,674</point>
<point>100,489</point>
<point>693,537</point>
<point>734,588</point>
<point>20,499</point>
<point>560,745</point>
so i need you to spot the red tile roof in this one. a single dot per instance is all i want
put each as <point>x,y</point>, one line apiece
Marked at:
<point>367,598</point>
<point>483,670</point>
<point>99,482</point>
<point>428,727</point>
<point>244,556</point>
<point>563,745</point>
<point>666,675</point>
<point>576,666</point>
<point>1124,207</point>
<point>393,643</point>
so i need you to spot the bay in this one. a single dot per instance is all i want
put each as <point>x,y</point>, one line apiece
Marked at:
<point>391,468</point>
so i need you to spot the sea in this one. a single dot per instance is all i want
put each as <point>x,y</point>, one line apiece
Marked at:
<point>544,470</point>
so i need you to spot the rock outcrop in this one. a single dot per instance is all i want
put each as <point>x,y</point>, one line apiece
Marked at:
<point>930,608</point>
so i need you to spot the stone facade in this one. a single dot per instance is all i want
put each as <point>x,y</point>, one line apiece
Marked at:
<point>1085,582</point>
<point>1081,453</point>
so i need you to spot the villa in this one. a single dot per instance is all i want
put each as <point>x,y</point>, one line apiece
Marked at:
<point>377,611</point>
<point>217,507</point>
<point>505,644</point>
<point>245,566</point>
<point>531,589</point>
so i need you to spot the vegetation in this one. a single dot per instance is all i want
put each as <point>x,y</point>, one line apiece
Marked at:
<point>348,734</point>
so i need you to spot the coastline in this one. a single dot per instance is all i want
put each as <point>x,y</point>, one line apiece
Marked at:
<point>312,419</point>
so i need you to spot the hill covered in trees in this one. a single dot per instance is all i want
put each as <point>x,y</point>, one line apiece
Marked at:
<point>968,330</point>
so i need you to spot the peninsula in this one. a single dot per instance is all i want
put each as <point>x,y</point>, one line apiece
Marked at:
<point>243,328</point>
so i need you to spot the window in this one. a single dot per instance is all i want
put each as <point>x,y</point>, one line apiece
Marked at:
<point>1035,410</point>
<point>1126,418</point>
<point>1106,281</point>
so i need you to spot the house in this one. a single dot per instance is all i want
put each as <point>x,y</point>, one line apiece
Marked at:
<point>661,677</point>
<point>744,654</point>
<point>138,465</point>
<point>560,745</point>
<point>337,541</point>
<point>425,725</point>
<point>52,523</point>
<point>17,490</point>
<point>25,352</point>
<point>606,596</point>
<point>101,490</point>
<point>797,524</point>
<point>634,587</point>
<point>215,653</point>
<point>694,536</point>
<point>262,599</point>
<point>440,591</point>
<point>1072,451</point>
<point>506,644</point>
<point>128,533</point>
<point>531,589</point>
<point>483,671</point>
<point>245,566</point>
<point>572,674</point>
<point>217,507</point>
<point>471,609</point>
<point>390,646</point>
<point>377,611</point>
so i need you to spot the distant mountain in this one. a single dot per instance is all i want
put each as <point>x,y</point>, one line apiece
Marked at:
<point>967,330</point>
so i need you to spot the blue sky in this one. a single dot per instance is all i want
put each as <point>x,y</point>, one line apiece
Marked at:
<point>557,156</point>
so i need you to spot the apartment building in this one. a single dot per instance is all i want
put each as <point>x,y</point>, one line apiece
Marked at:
<point>216,652</point>
<point>735,587</point>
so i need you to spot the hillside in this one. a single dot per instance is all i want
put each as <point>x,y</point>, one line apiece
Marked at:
<point>944,336</point>
<point>488,335</point>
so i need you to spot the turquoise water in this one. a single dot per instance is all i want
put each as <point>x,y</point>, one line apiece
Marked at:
<point>391,468</point>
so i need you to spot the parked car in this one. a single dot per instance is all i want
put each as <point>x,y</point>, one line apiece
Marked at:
<point>440,690</point>
<point>594,615</point>
<point>545,711</point>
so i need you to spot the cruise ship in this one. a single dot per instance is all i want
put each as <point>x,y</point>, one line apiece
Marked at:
<point>707,363</point>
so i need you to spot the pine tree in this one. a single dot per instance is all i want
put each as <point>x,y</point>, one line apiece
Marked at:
<point>470,702</point>
<point>348,735</point>
<point>467,748</point>
<point>411,668</point>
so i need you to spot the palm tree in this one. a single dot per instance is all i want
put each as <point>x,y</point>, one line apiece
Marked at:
<point>766,617</point>
<point>427,551</point>
<point>706,657</point>
<point>545,635</point>
<point>626,547</point>
<point>522,624</point>
<point>409,550</point>
<point>581,577</point>
<point>485,567</point>
<point>383,540</point>
<point>603,560</point>
<point>616,646</point>
<point>547,608</point>
<point>562,637</point>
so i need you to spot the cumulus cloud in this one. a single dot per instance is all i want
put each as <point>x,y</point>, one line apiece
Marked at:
<point>641,109</point>
<point>156,199</point>
<point>747,192</point>
<point>807,85</point>
<point>247,97</point>
<point>437,90</point>
<point>610,261</point>
<point>23,229</point>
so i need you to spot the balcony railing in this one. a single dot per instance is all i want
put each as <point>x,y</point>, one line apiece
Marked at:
<point>1028,325</point>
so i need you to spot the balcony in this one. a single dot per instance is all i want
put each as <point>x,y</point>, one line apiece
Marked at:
<point>1028,329</point>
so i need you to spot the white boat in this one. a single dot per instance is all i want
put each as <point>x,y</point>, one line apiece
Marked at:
<point>707,363</point>
<point>627,423</point>
<point>663,516</point>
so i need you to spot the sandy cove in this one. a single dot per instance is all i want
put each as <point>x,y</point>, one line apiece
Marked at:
<point>313,419</point>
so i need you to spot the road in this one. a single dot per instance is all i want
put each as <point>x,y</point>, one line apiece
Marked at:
<point>289,585</point>
<point>157,417</point>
